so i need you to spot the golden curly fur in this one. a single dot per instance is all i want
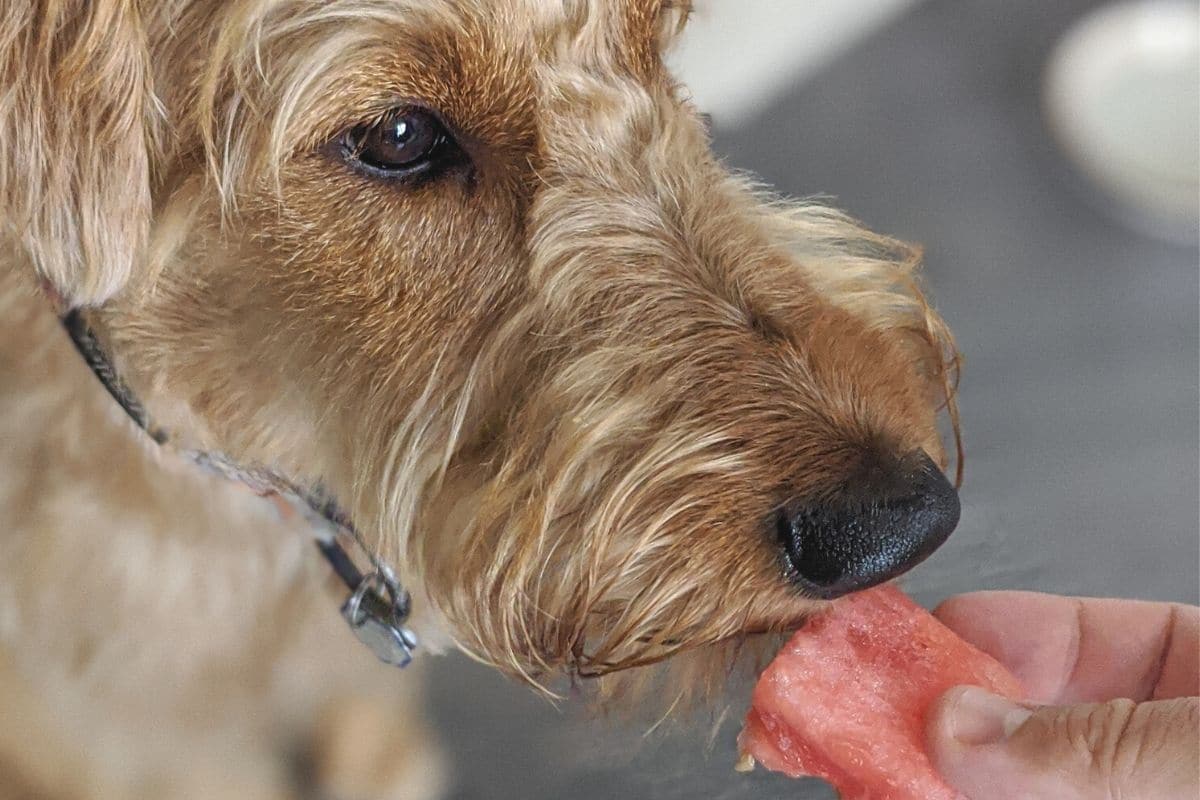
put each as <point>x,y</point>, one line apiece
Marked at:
<point>562,388</point>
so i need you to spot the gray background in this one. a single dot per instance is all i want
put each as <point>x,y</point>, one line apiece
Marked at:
<point>1079,395</point>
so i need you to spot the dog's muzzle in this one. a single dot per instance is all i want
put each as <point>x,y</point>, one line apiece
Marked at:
<point>883,524</point>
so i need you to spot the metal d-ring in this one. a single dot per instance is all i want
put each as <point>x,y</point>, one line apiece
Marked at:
<point>353,608</point>
<point>401,600</point>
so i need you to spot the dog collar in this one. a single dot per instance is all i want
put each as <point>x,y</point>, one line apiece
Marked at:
<point>378,606</point>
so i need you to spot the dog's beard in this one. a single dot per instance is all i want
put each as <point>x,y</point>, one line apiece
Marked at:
<point>613,557</point>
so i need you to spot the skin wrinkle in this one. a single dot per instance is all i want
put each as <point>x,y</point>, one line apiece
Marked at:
<point>564,391</point>
<point>1074,648</point>
<point>1128,755</point>
<point>1154,677</point>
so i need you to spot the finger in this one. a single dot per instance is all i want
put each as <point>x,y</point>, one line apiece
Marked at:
<point>989,748</point>
<point>1070,650</point>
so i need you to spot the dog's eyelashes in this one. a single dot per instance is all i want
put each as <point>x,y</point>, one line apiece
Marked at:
<point>408,142</point>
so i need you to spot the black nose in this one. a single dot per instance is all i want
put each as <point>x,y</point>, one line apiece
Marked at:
<point>887,520</point>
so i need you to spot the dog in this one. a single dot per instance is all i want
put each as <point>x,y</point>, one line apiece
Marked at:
<point>462,282</point>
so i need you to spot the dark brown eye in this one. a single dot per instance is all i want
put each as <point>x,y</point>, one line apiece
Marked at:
<point>407,141</point>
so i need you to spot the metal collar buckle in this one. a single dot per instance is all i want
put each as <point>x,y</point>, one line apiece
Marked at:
<point>376,612</point>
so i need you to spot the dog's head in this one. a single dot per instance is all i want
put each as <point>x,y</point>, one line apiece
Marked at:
<point>472,266</point>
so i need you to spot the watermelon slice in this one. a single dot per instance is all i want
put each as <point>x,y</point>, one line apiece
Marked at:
<point>845,699</point>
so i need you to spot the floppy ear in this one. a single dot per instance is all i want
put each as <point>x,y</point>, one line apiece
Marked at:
<point>74,140</point>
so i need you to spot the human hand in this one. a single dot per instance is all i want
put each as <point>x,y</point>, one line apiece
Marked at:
<point>1113,709</point>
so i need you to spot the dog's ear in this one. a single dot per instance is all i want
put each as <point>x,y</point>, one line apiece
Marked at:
<point>75,140</point>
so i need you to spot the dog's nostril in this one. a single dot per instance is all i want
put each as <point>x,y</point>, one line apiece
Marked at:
<point>869,534</point>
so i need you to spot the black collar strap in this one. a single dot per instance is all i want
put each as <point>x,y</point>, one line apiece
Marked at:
<point>88,347</point>
<point>378,607</point>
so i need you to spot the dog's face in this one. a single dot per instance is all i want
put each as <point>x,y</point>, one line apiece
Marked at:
<point>472,266</point>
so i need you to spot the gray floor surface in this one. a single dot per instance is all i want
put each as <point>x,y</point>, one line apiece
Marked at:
<point>1079,395</point>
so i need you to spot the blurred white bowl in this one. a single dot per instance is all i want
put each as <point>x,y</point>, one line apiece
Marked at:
<point>1122,96</point>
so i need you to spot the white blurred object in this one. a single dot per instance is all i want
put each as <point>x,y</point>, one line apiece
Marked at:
<point>737,55</point>
<point>1122,95</point>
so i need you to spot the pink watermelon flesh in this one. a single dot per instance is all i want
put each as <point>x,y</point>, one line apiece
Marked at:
<point>846,697</point>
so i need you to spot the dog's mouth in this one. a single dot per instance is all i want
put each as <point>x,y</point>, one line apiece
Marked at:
<point>760,641</point>
<point>378,606</point>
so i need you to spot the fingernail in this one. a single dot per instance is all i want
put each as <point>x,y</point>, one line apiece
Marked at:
<point>980,717</point>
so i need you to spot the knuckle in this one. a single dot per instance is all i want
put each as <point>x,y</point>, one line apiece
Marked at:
<point>1102,735</point>
<point>1120,748</point>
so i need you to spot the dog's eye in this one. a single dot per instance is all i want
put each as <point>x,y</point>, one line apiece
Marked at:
<point>408,141</point>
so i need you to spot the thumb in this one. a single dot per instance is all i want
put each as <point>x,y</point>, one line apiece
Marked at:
<point>992,749</point>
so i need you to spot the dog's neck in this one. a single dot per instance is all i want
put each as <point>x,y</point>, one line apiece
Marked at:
<point>378,607</point>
